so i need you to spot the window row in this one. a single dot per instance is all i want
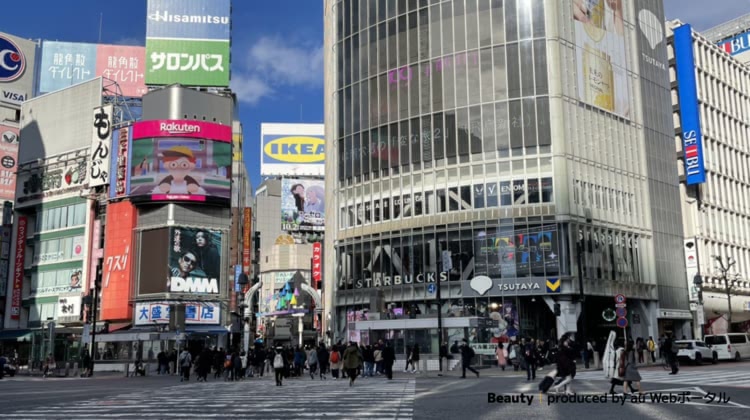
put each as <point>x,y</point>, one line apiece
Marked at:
<point>454,81</point>
<point>61,217</point>
<point>504,129</point>
<point>515,192</point>
<point>588,194</point>
<point>57,250</point>
<point>56,281</point>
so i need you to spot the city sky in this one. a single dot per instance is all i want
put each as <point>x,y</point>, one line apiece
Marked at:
<point>277,48</point>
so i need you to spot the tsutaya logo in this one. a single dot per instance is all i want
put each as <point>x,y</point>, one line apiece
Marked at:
<point>299,149</point>
<point>652,29</point>
<point>165,16</point>
<point>193,285</point>
<point>179,128</point>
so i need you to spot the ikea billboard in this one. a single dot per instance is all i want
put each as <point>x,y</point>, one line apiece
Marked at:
<point>292,149</point>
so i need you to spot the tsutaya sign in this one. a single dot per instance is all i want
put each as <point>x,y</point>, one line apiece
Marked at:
<point>485,286</point>
<point>383,279</point>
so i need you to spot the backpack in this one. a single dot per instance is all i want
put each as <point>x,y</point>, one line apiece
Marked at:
<point>278,361</point>
<point>335,357</point>
<point>471,353</point>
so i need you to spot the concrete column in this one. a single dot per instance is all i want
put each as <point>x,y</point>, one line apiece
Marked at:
<point>569,313</point>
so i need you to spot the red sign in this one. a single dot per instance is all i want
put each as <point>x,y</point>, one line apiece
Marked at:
<point>620,298</point>
<point>182,128</point>
<point>317,263</point>
<point>247,224</point>
<point>8,162</point>
<point>15,305</point>
<point>622,322</point>
<point>117,270</point>
<point>124,65</point>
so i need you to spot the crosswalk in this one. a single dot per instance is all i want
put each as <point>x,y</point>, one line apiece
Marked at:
<point>738,379</point>
<point>305,399</point>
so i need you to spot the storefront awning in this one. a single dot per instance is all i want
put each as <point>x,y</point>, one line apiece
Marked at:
<point>15,335</point>
<point>116,326</point>
<point>205,329</point>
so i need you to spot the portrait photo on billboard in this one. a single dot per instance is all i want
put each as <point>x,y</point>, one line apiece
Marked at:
<point>180,169</point>
<point>194,260</point>
<point>600,55</point>
<point>302,204</point>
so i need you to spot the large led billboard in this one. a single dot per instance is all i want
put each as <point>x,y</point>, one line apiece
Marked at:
<point>68,63</point>
<point>188,41</point>
<point>292,150</point>
<point>179,160</point>
<point>303,204</point>
<point>601,56</point>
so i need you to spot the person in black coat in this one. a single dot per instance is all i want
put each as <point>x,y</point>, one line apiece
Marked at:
<point>389,356</point>
<point>566,364</point>
<point>467,354</point>
<point>323,360</point>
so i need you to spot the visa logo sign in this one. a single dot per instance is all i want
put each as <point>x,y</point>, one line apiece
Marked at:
<point>297,149</point>
<point>13,97</point>
<point>736,45</point>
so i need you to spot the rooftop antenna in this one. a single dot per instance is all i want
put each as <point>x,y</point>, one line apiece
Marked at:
<point>100,27</point>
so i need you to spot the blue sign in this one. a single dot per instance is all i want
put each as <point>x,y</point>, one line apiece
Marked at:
<point>692,142</point>
<point>237,272</point>
<point>12,60</point>
<point>66,64</point>
<point>189,19</point>
<point>736,45</point>
<point>431,288</point>
<point>622,322</point>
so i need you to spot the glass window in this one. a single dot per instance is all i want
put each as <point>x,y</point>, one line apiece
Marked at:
<point>449,84</point>
<point>426,138</point>
<point>382,48</point>
<point>348,157</point>
<point>505,194</point>
<point>498,22</point>
<point>392,44</point>
<point>524,19</point>
<point>514,78</point>
<point>537,11</point>
<point>392,11</point>
<point>516,127</point>
<point>372,5</point>
<point>364,155</point>
<point>542,125</point>
<point>459,25</point>
<point>487,89</point>
<point>418,204</point>
<point>424,88</point>
<point>472,24</point>
<point>533,190</point>
<point>540,66</point>
<point>393,145</point>
<point>424,41</point>
<point>475,131</point>
<point>519,192</point>
<point>347,62</point>
<point>447,27</point>
<point>415,141</point>
<point>529,125</point>
<point>435,31</point>
<point>356,155</point>
<point>347,18</point>
<point>403,45</point>
<point>355,110</point>
<point>413,53</point>
<point>403,142</point>
<point>501,89</point>
<point>511,24</point>
<point>342,158</point>
<point>462,117</point>
<point>491,191</point>
<point>414,86</point>
<point>466,197</point>
<point>488,131</point>
<point>527,68</point>
<point>475,90</point>
<point>502,133</point>
<point>547,195</point>
<point>450,134</point>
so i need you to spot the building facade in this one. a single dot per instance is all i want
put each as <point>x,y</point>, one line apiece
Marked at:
<point>710,99</point>
<point>493,152</point>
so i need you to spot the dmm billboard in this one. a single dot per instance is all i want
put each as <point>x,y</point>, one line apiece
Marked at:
<point>180,160</point>
<point>117,270</point>
<point>67,63</point>
<point>187,42</point>
<point>292,150</point>
<point>8,161</point>
<point>692,141</point>
<point>17,60</point>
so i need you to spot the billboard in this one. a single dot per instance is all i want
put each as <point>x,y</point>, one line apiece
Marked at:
<point>180,160</point>
<point>101,124</point>
<point>51,181</point>
<point>196,313</point>
<point>9,161</point>
<point>600,55</point>
<point>117,264</point>
<point>187,42</point>
<point>302,204</point>
<point>17,60</point>
<point>194,260</point>
<point>18,267</point>
<point>119,181</point>
<point>511,253</point>
<point>292,150</point>
<point>692,141</point>
<point>736,45</point>
<point>68,63</point>
<point>153,268</point>
<point>247,228</point>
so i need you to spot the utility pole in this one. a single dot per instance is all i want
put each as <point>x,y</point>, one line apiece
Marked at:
<point>724,268</point>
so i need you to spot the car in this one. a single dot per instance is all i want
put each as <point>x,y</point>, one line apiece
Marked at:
<point>730,346</point>
<point>695,351</point>
<point>10,370</point>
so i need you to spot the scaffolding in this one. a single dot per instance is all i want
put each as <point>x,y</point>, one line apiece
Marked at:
<point>728,29</point>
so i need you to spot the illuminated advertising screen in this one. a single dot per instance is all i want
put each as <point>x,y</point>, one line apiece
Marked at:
<point>601,56</point>
<point>194,260</point>
<point>510,253</point>
<point>302,204</point>
<point>180,160</point>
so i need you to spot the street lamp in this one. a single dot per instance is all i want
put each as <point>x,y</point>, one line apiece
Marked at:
<point>299,316</point>
<point>728,284</point>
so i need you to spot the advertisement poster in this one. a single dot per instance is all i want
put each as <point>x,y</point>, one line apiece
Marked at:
<point>124,65</point>
<point>196,313</point>
<point>194,260</point>
<point>66,64</point>
<point>18,267</point>
<point>180,169</point>
<point>99,158</point>
<point>295,150</point>
<point>302,204</point>
<point>118,258</point>
<point>601,55</point>
<point>8,161</point>
<point>17,76</point>
<point>119,181</point>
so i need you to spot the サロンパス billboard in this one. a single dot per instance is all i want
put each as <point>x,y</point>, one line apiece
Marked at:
<point>292,150</point>
<point>180,160</point>
<point>302,204</point>
<point>17,60</point>
<point>601,56</point>
<point>8,161</point>
<point>194,260</point>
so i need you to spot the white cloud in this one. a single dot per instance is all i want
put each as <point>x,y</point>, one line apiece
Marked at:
<point>275,62</point>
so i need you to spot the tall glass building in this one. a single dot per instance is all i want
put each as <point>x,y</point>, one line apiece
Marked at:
<point>491,151</point>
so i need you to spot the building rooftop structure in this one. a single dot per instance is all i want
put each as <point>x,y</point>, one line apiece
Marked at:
<point>728,29</point>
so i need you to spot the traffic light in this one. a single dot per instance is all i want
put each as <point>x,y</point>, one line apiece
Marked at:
<point>556,308</point>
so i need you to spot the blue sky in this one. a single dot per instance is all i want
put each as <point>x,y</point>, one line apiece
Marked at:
<point>277,63</point>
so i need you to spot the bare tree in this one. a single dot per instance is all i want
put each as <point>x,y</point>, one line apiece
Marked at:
<point>730,281</point>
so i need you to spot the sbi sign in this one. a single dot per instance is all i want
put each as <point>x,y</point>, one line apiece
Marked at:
<point>293,149</point>
<point>692,141</point>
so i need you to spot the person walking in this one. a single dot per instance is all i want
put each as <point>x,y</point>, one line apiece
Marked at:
<point>408,359</point>
<point>467,353</point>
<point>352,361</point>
<point>415,358</point>
<point>185,360</point>
<point>389,357</point>
<point>670,353</point>
<point>515,355</point>
<point>377,355</point>
<point>86,359</point>
<point>312,362</point>
<point>368,355</point>
<point>204,364</point>
<point>49,365</point>
<point>502,356</point>
<point>336,362</point>
<point>566,365</point>
<point>640,348</point>
<point>651,346</point>
<point>279,366</point>
<point>631,374</point>
<point>299,361</point>
<point>323,361</point>
<point>530,357</point>
<point>161,359</point>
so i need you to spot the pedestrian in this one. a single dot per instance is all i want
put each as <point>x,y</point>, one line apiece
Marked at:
<point>86,359</point>
<point>3,362</point>
<point>299,361</point>
<point>530,358</point>
<point>185,361</point>
<point>161,359</point>
<point>566,365</point>
<point>414,357</point>
<point>662,339</point>
<point>408,359</point>
<point>279,366</point>
<point>312,362</point>
<point>502,356</point>
<point>631,373</point>
<point>259,360</point>
<point>368,356</point>
<point>515,355</point>
<point>377,354</point>
<point>618,373</point>
<point>49,365</point>
<point>336,362</point>
<point>204,362</point>
<point>467,353</point>
<point>323,357</point>
<point>218,363</point>
<point>670,353</point>
<point>640,348</point>
<point>444,354</point>
<point>389,357</point>
<point>651,346</point>
<point>237,365</point>
<point>352,361</point>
